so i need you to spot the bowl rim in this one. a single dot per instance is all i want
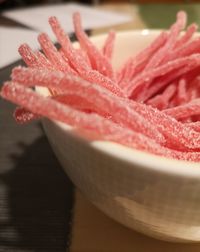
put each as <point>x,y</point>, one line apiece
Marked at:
<point>159,164</point>
<point>145,160</point>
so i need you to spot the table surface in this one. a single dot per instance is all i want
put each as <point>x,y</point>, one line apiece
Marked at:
<point>37,200</point>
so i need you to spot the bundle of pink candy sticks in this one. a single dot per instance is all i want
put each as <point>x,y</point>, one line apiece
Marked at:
<point>151,103</point>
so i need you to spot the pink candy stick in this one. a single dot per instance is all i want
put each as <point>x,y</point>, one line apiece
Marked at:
<point>183,46</point>
<point>178,136</point>
<point>84,55</point>
<point>52,54</point>
<point>98,61</point>
<point>95,126</point>
<point>102,98</point>
<point>54,110</point>
<point>107,130</point>
<point>96,77</point>
<point>135,64</point>
<point>44,61</point>
<point>182,96</point>
<point>177,67</point>
<point>98,127</point>
<point>108,47</point>
<point>161,101</point>
<point>194,89</point>
<point>187,36</point>
<point>155,87</point>
<point>194,125</point>
<point>187,49</point>
<point>23,115</point>
<point>78,63</point>
<point>173,33</point>
<point>80,103</point>
<point>29,57</point>
<point>185,110</point>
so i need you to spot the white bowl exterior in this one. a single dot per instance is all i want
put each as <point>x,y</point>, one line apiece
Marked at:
<point>161,203</point>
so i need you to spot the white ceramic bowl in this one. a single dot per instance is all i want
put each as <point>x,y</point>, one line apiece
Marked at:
<point>157,196</point>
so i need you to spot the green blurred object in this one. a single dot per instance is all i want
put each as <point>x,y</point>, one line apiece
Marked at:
<point>161,16</point>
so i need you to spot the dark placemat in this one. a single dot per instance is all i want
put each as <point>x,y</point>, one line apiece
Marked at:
<point>36,197</point>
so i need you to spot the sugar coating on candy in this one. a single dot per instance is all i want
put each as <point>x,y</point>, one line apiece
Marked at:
<point>162,101</point>
<point>74,59</point>
<point>136,64</point>
<point>52,109</point>
<point>108,47</point>
<point>185,110</point>
<point>77,62</point>
<point>22,115</point>
<point>29,57</point>
<point>36,103</point>
<point>173,33</point>
<point>100,97</point>
<point>191,47</point>
<point>108,130</point>
<point>98,61</point>
<point>52,53</point>
<point>45,63</point>
<point>178,136</point>
<point>179,66</point>
<point>151,103</point>
<point>187,36</point>
<point>83,54</point>
<point>182,96</point>
<point>194,125</point>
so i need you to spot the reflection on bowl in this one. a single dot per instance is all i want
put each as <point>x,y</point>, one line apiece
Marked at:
<point>157,196</point>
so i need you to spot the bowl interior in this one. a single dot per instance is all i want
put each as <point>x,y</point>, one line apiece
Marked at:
<point>129,43</point>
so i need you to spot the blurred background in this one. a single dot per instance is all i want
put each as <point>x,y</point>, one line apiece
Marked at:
<point>5,4</point>
<point>165,9</point>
